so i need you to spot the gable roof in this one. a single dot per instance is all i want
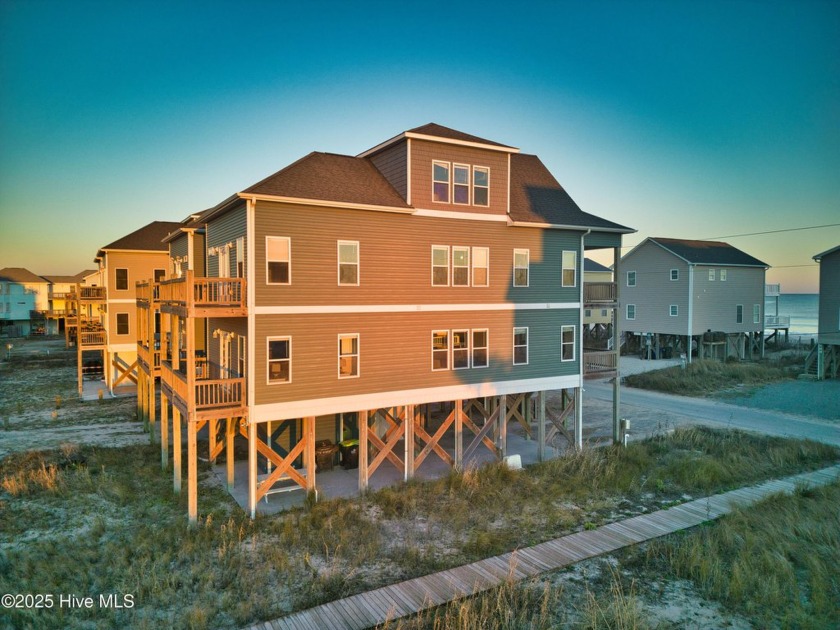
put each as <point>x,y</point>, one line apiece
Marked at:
<point>439,131</point>
<point>707,252</point>
<point>331,177</point>
<point>19,275</point>
<point>147,238</point>
<point>60,279</point>
<point>536,197</point>
<point>827,252</point>
<point>591,265</point>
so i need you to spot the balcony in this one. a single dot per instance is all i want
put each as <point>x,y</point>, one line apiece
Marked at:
<point>600,293</point>
<point>772,290</point>
<point>147,293</point>
<point>89,294</point>
<point>149,359</point>
<point>599,362</point>
<point>777,321</point>
<point>214,392</point>
<point>92,337</point>
<point>203,297</point>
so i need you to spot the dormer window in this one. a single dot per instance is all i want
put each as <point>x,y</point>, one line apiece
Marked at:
<point>440,182</point>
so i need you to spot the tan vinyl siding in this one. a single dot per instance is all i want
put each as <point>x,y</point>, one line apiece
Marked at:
<point>395,351</point>
<point>715,302</point>
<point>654,291</point>
<point>397,269</point>
<point>225,230</point>
<point>392,163</point>
<point>141,267</point>
<point>423,153</point>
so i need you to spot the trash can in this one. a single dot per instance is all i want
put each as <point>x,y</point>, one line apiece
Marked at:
<point>349,454</point>
<point>325,452</point>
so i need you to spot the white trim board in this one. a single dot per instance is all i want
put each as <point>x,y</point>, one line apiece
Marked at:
<point>305,309</point>
<point>340,404</point>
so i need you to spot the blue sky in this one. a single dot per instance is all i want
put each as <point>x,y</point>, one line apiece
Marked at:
<point>679,119</point>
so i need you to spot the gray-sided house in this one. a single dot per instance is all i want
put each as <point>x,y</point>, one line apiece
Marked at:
<point>824,360</point>
<point>346,296</point>
<point>683,296</point>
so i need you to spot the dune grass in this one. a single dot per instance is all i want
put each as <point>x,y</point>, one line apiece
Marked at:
<point>110,516</point>
<point>705,377</point>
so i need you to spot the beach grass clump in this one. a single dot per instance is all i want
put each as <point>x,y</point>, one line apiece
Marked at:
<point>706,377</point>
<point>775,562</point>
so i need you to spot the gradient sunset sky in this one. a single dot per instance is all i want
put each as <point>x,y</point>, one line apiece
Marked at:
<point>679,119</point>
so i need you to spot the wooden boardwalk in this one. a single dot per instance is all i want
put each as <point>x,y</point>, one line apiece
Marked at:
<point>406,598</point>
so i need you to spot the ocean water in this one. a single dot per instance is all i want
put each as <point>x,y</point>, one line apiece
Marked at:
<point>802,308</point>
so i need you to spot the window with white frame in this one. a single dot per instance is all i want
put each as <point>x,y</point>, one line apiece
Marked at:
<point>122,323</point>
<point>348,263</point>
<point>481,186</point>
<point>440,265</point>
<point>739,313</point>
<point>224,260</point>
<point>461,184</point>
<point>348,356</point>
<point>521,267</point>
<point>631,311</point>
<point>480,266</point>
<point>587,312</point>
<point>674,310</point>
<point>278,256</point>
<point>631,278</point>
<point>567,343</point>
<point>121,277</point>
<point>569,268</point>
<point>675,274</point>
<point>723,275</point>
<point>460,266</point>
<point>460,349</point>
<point>480,348</point>
<point>440,182</point>
<point>520,346</point>
<point>756,313</point>
<point>440,350</point>
<point>279,359</point>
<point>711,275</point>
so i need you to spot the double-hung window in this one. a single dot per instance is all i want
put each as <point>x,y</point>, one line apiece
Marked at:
<point>631,278</point>
<point>481,186</point>
<point>739,313</point>
<point>567,343</point>
<point>122,323</point>
<point>675,274</point>
<point>480,348</point>
<point>460,349</point>
<point>440,182</point>
<point>756,313</point>
<point>440,350</point>
<point>521,267</point>
<point>278,260</point>
<point>279,360</point>
<point>460,266</point>
<point>631,311</point>
<point>674,310</point>
<point>723,275</point>
<point>520,346</point>
<point>440,265</point>
<point>480,266</point>
<point>348,356</point>
<point>569,268</point>
<point>348,263</point>
<point>711,275</point>
<point>121,280</point>
<point>461,184</point>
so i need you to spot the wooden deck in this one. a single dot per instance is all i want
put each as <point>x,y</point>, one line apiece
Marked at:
<point>406,598</point>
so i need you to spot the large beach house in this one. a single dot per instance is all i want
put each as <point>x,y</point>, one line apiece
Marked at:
<point>343,295</point>
<point>679,295</point>
<point>824,360</point>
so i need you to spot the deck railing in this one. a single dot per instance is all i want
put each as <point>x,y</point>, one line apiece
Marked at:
<point>208,393</point>
<point>93,338</point>
<point>203,292</point>
<point>600,361</point>
<point>772,290</point>
<point>777,321</point>
<point>599,292</point>
<point>89,294</point>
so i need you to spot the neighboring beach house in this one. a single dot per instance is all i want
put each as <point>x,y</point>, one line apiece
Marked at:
<point>106,303</point>
<point>61,306</point>
<point>678,295</point>
<point>596,318</point>
<point>824,360</point>
<point>24,297</point>
<point>347,296</point>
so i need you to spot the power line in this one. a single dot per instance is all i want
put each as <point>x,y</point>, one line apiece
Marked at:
<point>812,227</point>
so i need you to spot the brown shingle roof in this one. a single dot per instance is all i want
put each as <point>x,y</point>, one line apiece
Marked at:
<point>149,237</point>
<point>708,252</point>
<point>439,131</point>
<point>19,275</point>
<point>536,197</point>
<point>331,177</point>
